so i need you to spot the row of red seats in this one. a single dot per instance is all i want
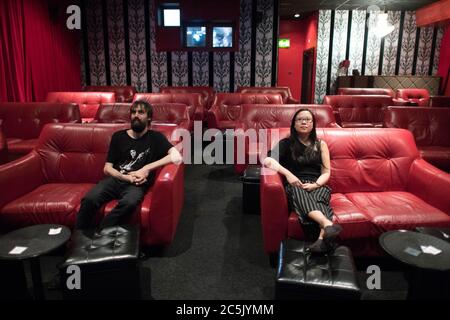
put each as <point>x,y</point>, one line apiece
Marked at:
<point>406,96</point>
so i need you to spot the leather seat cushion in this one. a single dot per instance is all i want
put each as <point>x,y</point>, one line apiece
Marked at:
<point>397,210</point>
<point>49,203</point>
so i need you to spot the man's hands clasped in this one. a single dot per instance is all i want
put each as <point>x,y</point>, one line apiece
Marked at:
<point>137,178</point>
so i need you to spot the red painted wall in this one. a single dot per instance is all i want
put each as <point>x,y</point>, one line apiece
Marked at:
<point>444,60</point>
<point>303,35</point>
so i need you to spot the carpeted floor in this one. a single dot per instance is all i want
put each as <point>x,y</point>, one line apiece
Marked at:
<point>218,251</point>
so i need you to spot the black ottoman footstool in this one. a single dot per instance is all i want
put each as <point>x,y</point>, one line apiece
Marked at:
<point>250,190</point>
<point>304,276</point>
<point>108,262</point>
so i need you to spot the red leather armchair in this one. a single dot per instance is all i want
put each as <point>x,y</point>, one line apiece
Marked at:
<point>379,183</point>
<point>285,92</point>
<point>440,101</point>
<point>355,111</point>
<point>21,124</point>
<point>366,91</point>
<point>257,117</point>
<point>227,107</point>
<point>88,102</point>
<point>66,163</point>
<point>193,101</point>
<point>430,127</point>
<point>123,93</point>
<point>419,97</point>
<point>207,93</point>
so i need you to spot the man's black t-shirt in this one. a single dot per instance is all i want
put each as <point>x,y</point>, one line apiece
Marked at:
<point>128,154</point>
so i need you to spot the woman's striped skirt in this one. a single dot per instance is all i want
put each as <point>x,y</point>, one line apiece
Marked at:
<point>303,202</point>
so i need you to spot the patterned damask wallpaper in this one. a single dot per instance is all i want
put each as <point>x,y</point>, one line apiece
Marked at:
<point>119,48</point>
<point>353,38</point>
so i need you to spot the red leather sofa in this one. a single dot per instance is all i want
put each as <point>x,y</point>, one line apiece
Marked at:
<point>21,123</point>
<point>66,163</point>
<point>440,101</point>
<point>227,107</point>
<point>354,111</point>
<point>257,117</point>
<point>207,93</point>
<point>193,101</point>
<point>88,102</point>
<point>123,93</point>
<point>379,183</point>
<point>430,128</point>
<point>163,114</point>
<point>367,91</point>
<point>419,97</point>
<point>285,92</point>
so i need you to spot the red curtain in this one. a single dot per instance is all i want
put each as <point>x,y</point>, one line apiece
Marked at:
<point>37,52</point>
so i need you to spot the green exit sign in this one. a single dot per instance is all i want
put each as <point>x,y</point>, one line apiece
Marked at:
<point>284,43</point>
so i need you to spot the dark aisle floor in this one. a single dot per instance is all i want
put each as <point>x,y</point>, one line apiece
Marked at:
<point>217,252</point>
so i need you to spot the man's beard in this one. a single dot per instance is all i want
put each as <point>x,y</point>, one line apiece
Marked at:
<point>138,126</point>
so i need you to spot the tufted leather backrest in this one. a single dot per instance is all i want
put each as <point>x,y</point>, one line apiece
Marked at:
<point>230,104</point>
<point>260,116</point>
<point>430,126</point>
<point>191,100</point>
<point>207,93</point>
<point>75,153</point>
<point>26,120</point>
<point>365,159</point>
<point>419,96</point>
<point>440,101</point>
<point>123,93</point>
<point>366,91</point>
<point>285,92</point>
<point>359,108</point>
<point>88,102</point>
<point>113,113</point>
<point>176,113</point>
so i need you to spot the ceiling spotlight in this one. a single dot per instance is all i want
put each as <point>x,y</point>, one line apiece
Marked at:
<point>297,15</point>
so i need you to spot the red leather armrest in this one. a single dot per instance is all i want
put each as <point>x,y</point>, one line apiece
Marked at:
<point>166,204</point>
<point>19,177</point>
<point>274,210</point>
<point>430,184</point>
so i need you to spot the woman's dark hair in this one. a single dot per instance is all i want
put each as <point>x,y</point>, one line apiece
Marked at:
<point>145,105</point>
<point>311,152</point>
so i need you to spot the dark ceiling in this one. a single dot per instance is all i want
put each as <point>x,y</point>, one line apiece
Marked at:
<point>289,7</point>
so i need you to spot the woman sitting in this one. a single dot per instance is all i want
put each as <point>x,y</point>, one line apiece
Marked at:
<point>305,163</point>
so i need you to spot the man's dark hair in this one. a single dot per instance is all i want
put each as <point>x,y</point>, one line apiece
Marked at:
<point>144,104</point>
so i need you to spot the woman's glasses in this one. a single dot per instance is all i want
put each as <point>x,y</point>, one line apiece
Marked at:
<point>307,120</point>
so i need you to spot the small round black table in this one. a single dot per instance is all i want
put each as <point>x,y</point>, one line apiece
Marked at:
<point>428,270</point>
<point>37,241</point>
